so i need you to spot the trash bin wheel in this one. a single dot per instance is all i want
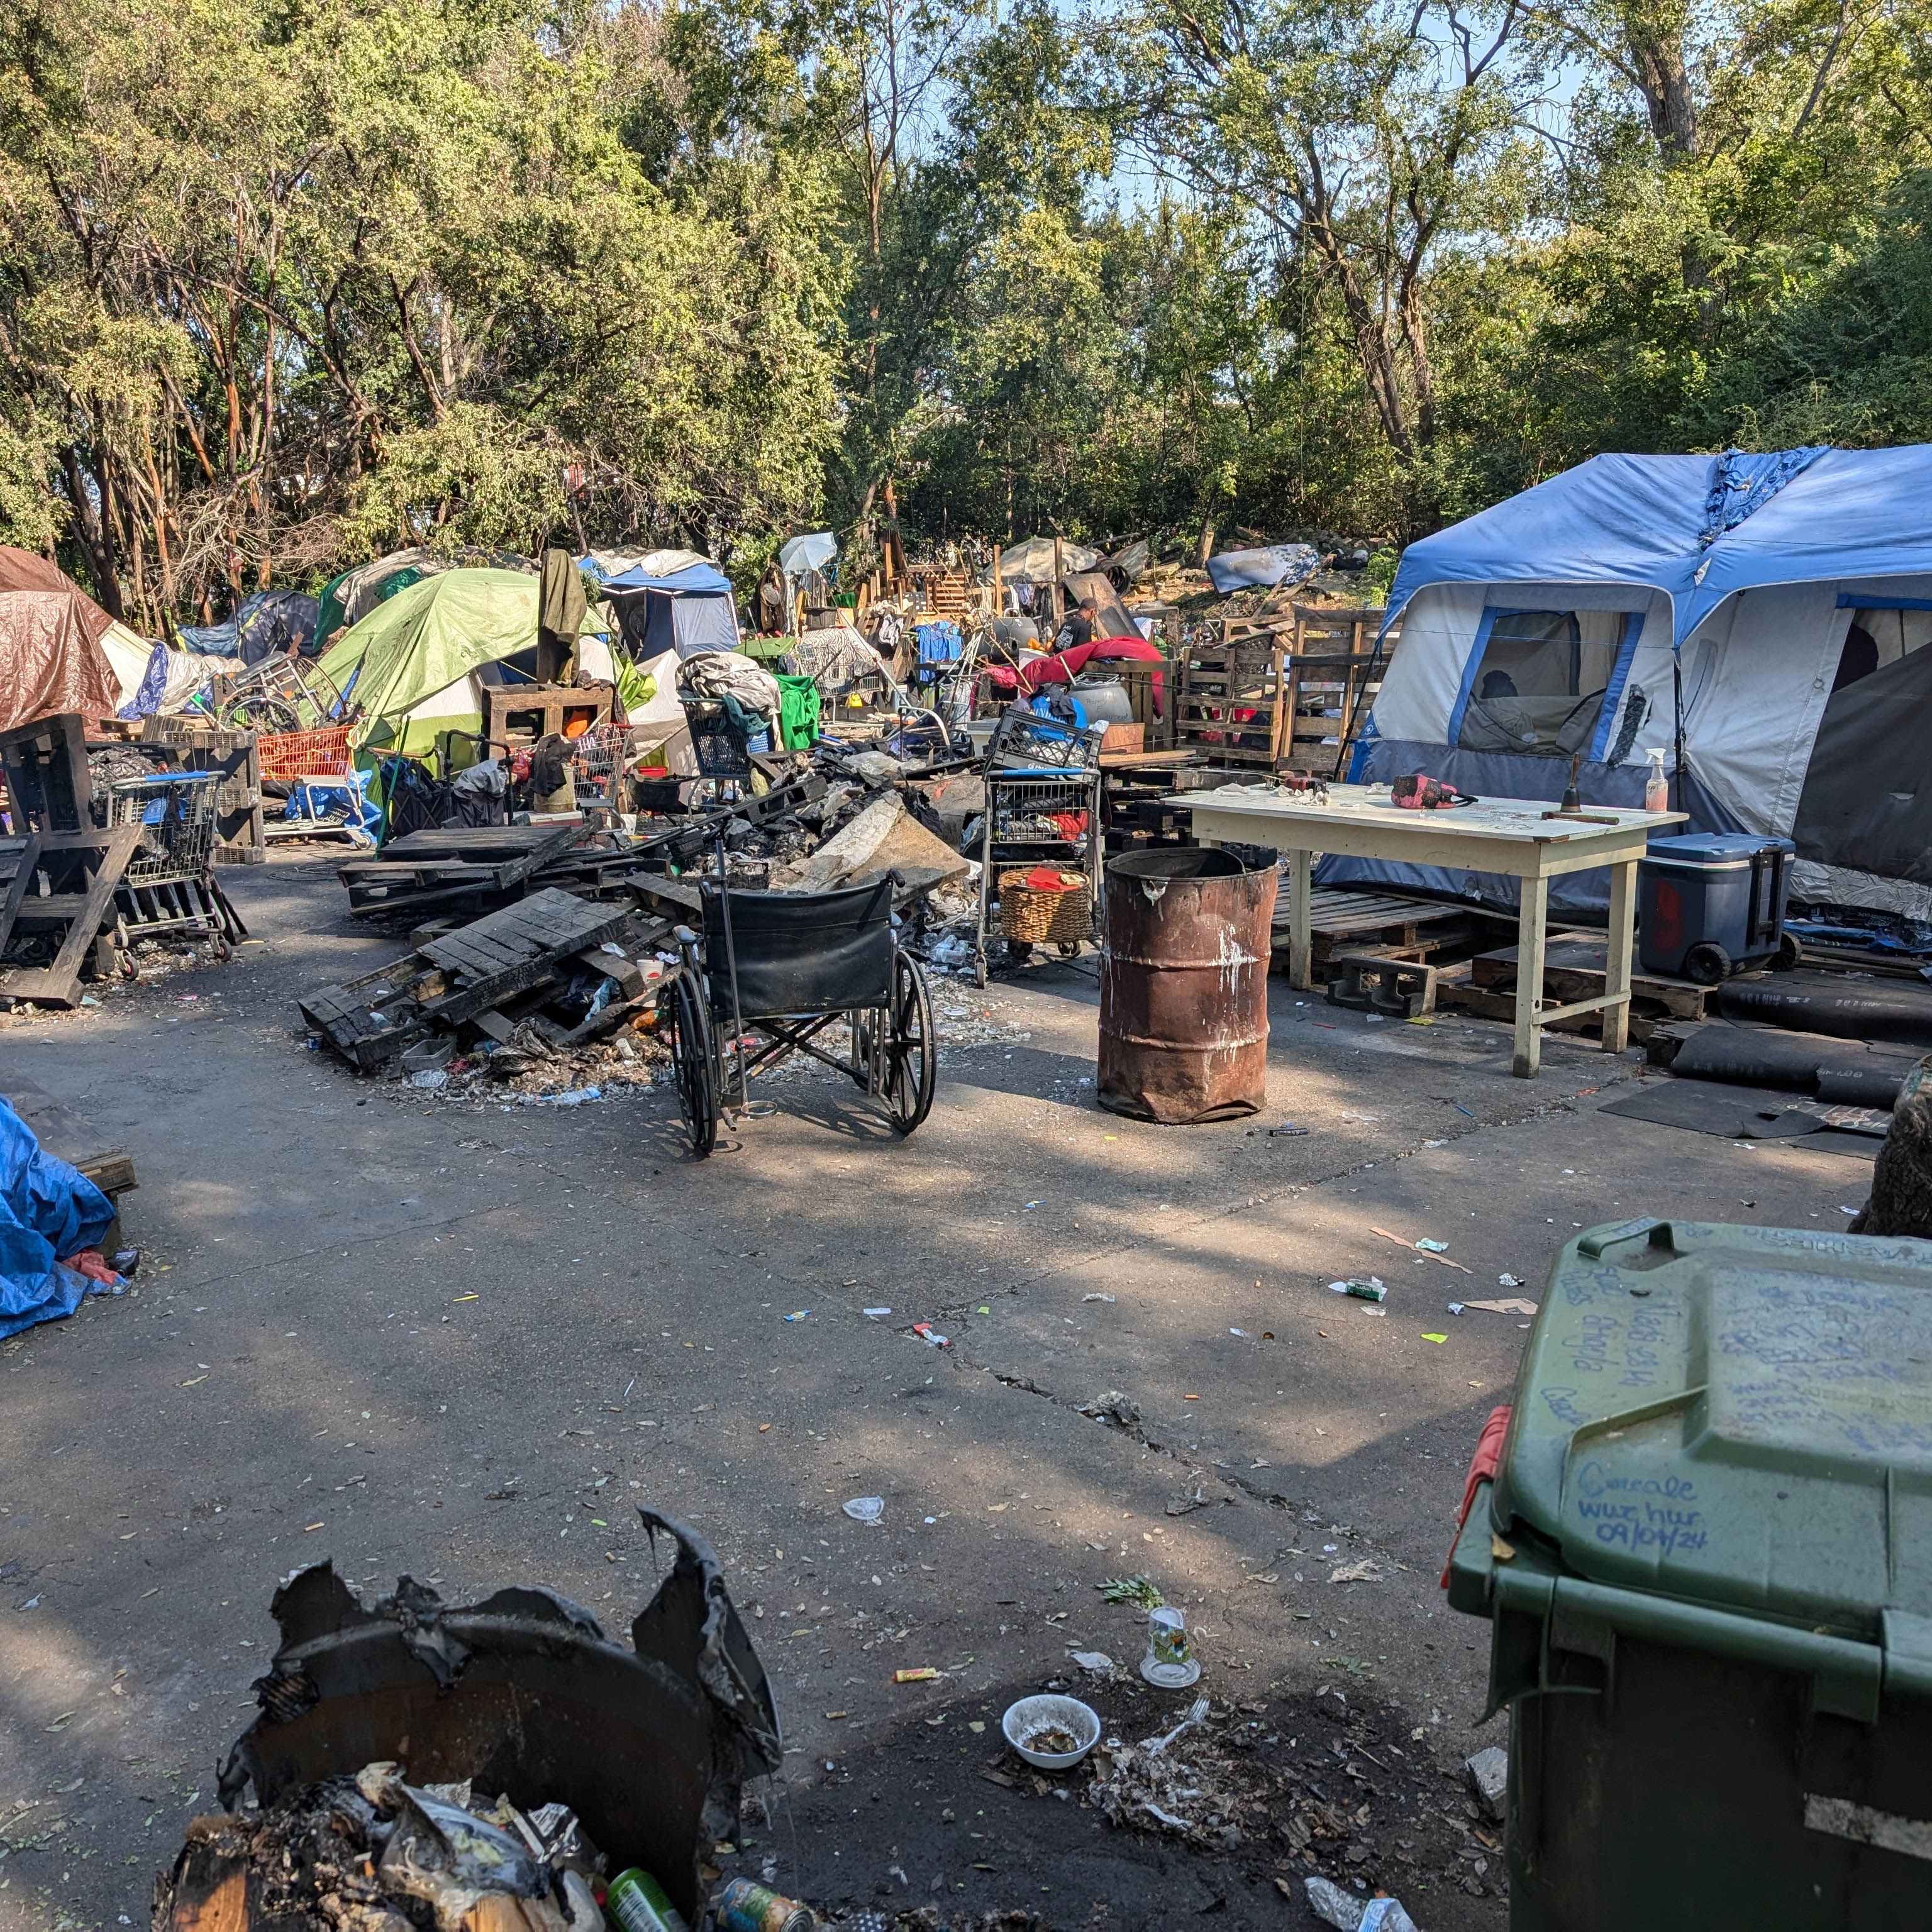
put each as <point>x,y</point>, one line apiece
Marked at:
<point>681,1002</point>
<point>912,1056</point>
<point>1789,954</point>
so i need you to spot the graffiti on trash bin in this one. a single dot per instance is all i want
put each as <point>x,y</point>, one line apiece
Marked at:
<point>1632,1512</point>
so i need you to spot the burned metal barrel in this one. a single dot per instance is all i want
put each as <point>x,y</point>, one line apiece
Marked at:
<point>524,1694</point>
<point>1183,985</point>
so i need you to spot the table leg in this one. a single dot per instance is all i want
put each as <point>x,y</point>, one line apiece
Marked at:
<point>1301,919</point>
<point>1532,923</point>
<point>1617,961</point>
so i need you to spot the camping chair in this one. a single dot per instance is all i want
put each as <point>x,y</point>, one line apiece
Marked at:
<point>771,972</point>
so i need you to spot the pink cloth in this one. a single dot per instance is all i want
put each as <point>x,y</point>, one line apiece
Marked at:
<point>1063,666</point>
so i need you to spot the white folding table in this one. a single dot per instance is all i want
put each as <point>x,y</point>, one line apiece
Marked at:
<point>1526,838</point>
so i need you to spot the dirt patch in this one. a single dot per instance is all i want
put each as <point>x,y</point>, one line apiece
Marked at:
<point>939,1824</point>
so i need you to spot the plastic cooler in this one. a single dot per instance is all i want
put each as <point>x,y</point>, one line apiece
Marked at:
<point>1706,1557</point>
<point>1711,903</point>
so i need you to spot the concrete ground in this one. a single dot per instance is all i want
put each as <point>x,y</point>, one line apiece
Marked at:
<point>460,1342</point>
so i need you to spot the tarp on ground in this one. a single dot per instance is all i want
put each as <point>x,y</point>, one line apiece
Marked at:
<point>1273,564</point>
<point>48,1211</point>
<point>413,659</point>
<point>51,659</point>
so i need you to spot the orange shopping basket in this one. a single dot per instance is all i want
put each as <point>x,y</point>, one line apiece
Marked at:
<point>289,755</point>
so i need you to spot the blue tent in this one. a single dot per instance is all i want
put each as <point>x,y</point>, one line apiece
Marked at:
<point>1784,598</point>
<point>688,611</point>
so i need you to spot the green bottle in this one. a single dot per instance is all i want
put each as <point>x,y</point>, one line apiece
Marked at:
<point>636,1903</point>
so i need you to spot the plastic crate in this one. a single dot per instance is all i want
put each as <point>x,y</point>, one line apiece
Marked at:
<point>287,755</point>
<point>721,750</point>
<point>175,811</point>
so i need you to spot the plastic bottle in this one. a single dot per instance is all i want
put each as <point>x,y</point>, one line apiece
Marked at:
<point>1656,786</point>
<point>636,1903</point>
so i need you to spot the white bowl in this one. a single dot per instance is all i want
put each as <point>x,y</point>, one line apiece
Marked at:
<point>1033,1715</point>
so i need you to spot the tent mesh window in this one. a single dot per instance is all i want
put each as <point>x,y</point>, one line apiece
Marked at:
<point>1541,682</point>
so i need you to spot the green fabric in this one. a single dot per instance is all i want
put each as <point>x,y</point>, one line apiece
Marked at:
<point>425,638</point>
<point>764,649</point>
<point>328,620</point>
<point>798,712</point>
<point>635,687</point>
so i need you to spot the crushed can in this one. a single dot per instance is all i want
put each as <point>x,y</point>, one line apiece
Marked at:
<point>744,1906</point>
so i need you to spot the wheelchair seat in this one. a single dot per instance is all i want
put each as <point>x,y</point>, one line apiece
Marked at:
<point>799,953</point>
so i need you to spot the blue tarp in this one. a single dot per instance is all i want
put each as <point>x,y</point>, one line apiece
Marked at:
<point>703,580</point>
<point>47,1209</point>
<point>1793,517</point>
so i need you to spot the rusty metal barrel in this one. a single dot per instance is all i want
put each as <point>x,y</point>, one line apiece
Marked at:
<point>1183,985</point>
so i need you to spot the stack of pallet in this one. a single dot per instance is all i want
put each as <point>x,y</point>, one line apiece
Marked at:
<point>488,977</point>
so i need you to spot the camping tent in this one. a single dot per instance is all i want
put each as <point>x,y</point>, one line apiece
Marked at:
<point>1787,597</point>
<point>687,610</point>
<point>51,658</point>
<point>416,664</point>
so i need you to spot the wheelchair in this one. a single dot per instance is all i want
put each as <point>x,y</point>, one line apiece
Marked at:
<point>771,972</point>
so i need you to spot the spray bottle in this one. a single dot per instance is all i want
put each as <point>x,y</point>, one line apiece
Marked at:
<point>1656,786</point>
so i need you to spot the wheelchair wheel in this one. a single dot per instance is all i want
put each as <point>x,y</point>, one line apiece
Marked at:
<point>912,1056</point>
<point>688,1034</point>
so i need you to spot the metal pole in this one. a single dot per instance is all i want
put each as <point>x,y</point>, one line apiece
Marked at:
<point>731,962</point>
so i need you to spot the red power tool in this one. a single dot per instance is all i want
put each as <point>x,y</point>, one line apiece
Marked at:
<point>1420,793</point>
<point>1316,788</point>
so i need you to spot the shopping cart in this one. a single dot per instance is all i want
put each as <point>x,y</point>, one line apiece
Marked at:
<point>169,886</point>
<point>315,767</point>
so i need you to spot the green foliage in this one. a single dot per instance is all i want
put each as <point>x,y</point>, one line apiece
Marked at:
<point>284,284</point>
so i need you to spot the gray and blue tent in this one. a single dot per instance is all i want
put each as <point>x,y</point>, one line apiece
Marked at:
<point>689,610</point>
<point>1766,616</point>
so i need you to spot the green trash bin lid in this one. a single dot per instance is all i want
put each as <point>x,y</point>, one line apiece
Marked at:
<point>1738,1416</point>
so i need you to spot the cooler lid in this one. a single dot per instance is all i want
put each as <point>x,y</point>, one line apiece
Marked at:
<point>1709,846</point>
<point>1737,1416</point>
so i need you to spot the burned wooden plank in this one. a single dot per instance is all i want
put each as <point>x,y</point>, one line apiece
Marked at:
<point>57,984</point>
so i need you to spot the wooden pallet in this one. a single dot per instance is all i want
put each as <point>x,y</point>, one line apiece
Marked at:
<point>1574,968</point>
<point>457,976</point>
<point>1343,922</point>
<point>238,838</point>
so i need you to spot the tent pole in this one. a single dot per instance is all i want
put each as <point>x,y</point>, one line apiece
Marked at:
<point>1677,719</point>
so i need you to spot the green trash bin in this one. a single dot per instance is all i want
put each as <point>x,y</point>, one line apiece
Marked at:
<point>1706,1558</point>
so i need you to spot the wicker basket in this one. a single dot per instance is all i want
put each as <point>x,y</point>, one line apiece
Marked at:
<point>1063,918</point>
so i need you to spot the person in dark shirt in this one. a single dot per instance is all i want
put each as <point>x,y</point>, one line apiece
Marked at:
<point>1859,659</point>
<point>1078,627</point>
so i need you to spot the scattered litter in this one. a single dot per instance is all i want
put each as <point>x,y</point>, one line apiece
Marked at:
<point>1456,1307</point>
<point>1112,1407</point>
<point>876,1314</point>
<point>1843,1210</point>
<point>1241,1332</point>
<point>1507,1281</point>
<point>1096,1296</point>
<point>1334,1907</point>
<point>865,1509</point>
<point>1363,1287</point>
<point>1169,1664</point>
<point>1434,1338</point>
<point>1096,1660</point>
<point>798,1315</point>
<point>1513,1304</point>
<point>930,1336</point>
<point>1432,1249</point>
<point>1365,1569</point>
<point>923,1674</point>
